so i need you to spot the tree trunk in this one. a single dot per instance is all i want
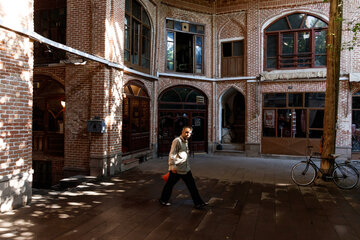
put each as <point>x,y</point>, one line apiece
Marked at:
<point>332,84</point>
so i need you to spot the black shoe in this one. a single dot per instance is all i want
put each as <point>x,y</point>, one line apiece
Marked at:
<point>205,204</point>
<point>164,203</point>
<point>199,206</point>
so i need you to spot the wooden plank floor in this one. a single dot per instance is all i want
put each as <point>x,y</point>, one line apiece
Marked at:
<point>241,207</point>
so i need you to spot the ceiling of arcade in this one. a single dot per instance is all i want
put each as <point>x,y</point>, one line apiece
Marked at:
<point>225,6</point>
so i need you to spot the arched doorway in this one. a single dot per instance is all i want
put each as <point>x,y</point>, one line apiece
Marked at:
<point>48,131</point>
<point>180,106</point>
<point>355,127</point>
<point>136,118</point>
<point>232,120</point>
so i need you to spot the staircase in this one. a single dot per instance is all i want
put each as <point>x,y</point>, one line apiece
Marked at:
<point>231,149</point>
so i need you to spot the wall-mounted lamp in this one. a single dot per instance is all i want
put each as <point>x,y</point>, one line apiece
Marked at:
<point>63,104</point>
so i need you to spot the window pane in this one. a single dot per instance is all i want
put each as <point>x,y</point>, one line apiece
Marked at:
<point>271,63</point>
<point>136,9</point>
<point>127,56</point>
<point>310,22</point>
<point>198,41</point>
<point>295,99</point>
<point>169,24</point>
<point>200,29</point>
<point>356,103</point>
<point>320,42</point>
<point>170,66</point>
<point>170,36</point>
<point>284,123</point>
<point>303,42</point>
<point>315,99</point>
<point>135,89</point>
<point>279,25</point>
<point>320,61</point>
<point>183,92</point>
<point>146,32</point>
<point>320,24</point>
<point>299,123</point>
<point>296,20</point>
<point>177,25</point>
<point>315,133</point>
<point>193,28</point>
<point>198,53</point>
<point>145,63</point>
<point>271,49</point>
<point>145,18</point>
<point>170,51</point>
<point>238,48</point>
<point>269,124</point>
<point>127,32</point>
<point>227,52</point>
<point>355,131</point>
<point>198,68</point>
<point>127,6</point>
<point>287,43</point>
<point>316,118</point>
<point>170,96</point>
<point>275,100</point>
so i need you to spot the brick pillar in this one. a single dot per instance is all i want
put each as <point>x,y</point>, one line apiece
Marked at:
<point>16,91</point>
<point>253,138</point>
<point>93,90</point>
<point>253,39</point>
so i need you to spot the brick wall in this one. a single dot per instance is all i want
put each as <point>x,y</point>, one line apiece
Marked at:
<point>16,63</point>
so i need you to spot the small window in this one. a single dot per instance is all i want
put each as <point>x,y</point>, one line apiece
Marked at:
<point>185,47</point>
<point>232,59</point>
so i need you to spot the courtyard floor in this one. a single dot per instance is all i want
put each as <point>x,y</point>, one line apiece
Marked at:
<point>249,198</point>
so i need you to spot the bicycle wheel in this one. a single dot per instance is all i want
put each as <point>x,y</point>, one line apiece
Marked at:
<point>345,176</point>
<point>303,173</point>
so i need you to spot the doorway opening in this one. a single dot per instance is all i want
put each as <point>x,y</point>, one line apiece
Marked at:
<point>178,107</point>
<point>232,120</point>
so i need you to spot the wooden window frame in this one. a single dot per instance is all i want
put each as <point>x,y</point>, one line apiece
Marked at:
<point>194,35</point>
<point>242,70</point>
<point>295,56</point>
<point>292,108</point>
<point>139,42</point>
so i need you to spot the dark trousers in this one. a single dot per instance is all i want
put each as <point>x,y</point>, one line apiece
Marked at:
<point>190,183</point>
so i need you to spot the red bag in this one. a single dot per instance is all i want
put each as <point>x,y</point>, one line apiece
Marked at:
<point>166,176</point>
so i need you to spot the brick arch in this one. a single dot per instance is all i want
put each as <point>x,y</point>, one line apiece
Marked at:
<point>184,85</point>
<point>201,86</point>
<point>146,85</point>
<point>229,26</point>
<point>237,88</point>
<point>51,75</point>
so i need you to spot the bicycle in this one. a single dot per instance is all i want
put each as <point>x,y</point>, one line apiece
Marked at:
<point>344,175</point>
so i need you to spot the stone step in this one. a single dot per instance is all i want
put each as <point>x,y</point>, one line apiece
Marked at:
<point>233,146</point>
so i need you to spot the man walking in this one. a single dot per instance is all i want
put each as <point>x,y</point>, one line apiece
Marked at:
<point>179,167</point>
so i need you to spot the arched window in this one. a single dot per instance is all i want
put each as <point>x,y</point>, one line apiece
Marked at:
<point>181,106</point>
<point>136,118</point>
<point>296,41</point>
<point>137,36</point>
